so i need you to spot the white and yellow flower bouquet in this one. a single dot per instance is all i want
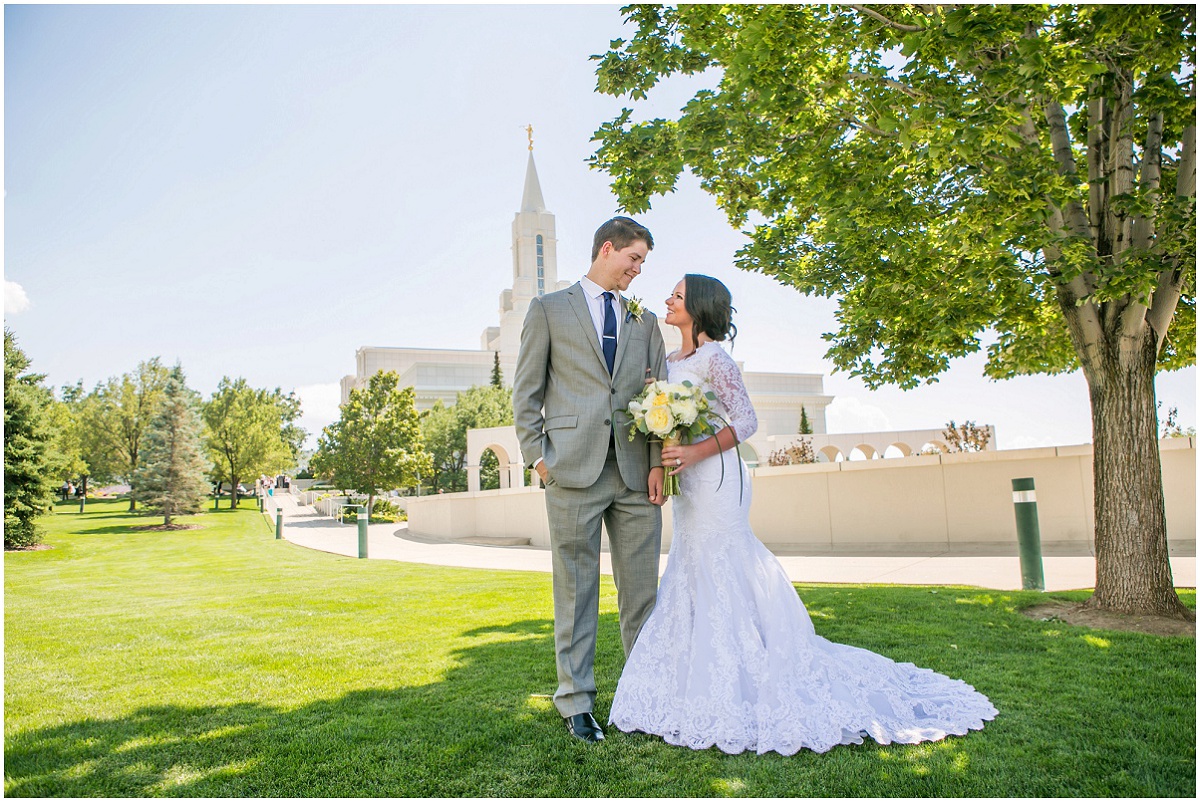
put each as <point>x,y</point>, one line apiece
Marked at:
<point>672,413</point>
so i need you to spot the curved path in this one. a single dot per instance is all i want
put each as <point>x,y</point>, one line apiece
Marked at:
<point>304,527</point>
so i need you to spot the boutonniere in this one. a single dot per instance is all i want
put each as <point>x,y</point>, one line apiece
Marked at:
<point>634,308</point>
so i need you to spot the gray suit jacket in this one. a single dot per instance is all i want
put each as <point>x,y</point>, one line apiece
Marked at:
<point>564,401</point>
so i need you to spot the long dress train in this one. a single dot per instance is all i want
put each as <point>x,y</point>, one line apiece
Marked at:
<point>730,658</point>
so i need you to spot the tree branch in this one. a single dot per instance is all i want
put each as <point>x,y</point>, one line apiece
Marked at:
<point>1162,307</point>
<point>867,127</point>
<point>877,16</point>
<point>1060,141</point>
<point>1185,180</point>
<point>1151,178</point>
<point>905,88</point>
<point>1119,166</point>
<point>1095,160</point>
<point>1170,281</point>
<point>1083,317</point>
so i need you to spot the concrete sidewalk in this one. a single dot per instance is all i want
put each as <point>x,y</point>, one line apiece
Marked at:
<point>302,526</point>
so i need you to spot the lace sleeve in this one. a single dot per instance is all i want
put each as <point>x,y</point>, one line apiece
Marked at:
<point>726,381</point>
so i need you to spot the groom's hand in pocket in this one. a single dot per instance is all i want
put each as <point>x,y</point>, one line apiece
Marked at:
<point>656,487</point>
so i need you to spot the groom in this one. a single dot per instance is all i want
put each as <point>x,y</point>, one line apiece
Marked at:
<point>583,356</point>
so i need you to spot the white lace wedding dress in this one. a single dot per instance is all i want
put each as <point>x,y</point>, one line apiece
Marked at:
<point>729,657</point>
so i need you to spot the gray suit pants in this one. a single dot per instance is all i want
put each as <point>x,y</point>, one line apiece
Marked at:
<point>635,534</point>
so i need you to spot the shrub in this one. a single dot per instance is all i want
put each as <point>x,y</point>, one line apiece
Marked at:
<point>967,438</point>
<point>384,512</point>
<point>798,453</point>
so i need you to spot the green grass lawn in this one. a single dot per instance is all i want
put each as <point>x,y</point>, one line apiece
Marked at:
<point>221,662</point>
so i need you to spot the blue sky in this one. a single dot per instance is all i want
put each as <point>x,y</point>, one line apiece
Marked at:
<point>261,190</point>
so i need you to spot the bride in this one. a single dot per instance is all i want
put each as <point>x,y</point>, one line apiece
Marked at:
<point>729,657</point>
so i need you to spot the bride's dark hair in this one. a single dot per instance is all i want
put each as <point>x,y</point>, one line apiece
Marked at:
<point>710,306</point>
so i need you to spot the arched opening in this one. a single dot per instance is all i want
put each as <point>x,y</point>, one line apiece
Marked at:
<point>748,454</point>
<point>862,451</point>
<point>896,450</point>
<point>934,447</point>
<point>493,468</point>
<point>830,454</point>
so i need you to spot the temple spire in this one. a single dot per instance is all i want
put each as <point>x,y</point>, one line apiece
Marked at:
<point>532,201</point>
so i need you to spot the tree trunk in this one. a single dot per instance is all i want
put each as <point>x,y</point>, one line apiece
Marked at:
<point>233,493</point>
<point>1133,574</point>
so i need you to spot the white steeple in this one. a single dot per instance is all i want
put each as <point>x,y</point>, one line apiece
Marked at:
<point>532,201</point>
<point>535,267</point>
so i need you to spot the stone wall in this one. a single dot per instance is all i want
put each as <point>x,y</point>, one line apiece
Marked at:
<point>947,502</point>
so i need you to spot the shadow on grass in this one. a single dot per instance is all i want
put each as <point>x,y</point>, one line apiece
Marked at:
<point>489,728</point>
<point>464,735</point>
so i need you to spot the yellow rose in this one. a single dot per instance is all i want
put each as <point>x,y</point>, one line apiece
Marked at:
<point>659,421</point>
<point>659,400</point>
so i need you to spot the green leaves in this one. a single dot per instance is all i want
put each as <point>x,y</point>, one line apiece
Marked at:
<point>247,431</point>
<point>444,430</point>
<point>916,175</point>
<point>376,443</point>
<point>28,448</point>
<point>170,477</point>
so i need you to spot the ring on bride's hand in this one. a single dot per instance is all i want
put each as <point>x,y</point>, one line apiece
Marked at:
<point>678,462</point>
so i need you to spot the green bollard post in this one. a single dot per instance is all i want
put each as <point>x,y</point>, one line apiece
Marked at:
<point>279,524</point>
<point>260,503</point>
<point>82,500</point>
<point>1029,534</point>
<point>216,503</point>
<point>363,520</point>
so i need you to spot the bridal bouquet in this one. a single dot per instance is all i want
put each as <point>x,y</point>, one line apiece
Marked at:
<point>672,413</point>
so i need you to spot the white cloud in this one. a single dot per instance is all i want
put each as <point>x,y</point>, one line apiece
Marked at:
<point>848,414</point>
<point>15,299</point>
<point>319,407</point>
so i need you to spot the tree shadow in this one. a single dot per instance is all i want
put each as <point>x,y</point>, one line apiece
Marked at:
<point>488,727</point>
<point>467,734</point>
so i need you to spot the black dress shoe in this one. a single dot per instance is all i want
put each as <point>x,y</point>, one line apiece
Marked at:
<point>584,727</point>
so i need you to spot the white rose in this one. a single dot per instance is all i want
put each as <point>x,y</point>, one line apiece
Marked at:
<point>685,410</point>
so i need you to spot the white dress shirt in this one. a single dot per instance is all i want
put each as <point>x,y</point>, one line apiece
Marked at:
<point>594,294</point>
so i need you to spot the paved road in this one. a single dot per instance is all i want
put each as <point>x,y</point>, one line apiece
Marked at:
<point>302,526</point>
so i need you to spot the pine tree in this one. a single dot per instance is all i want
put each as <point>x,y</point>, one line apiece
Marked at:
<point>497,375</point>
<point>805,426</point>
<point>28,457</point>
<point>170,478</point>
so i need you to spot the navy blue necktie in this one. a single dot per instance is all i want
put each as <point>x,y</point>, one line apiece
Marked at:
<point>609,341</point>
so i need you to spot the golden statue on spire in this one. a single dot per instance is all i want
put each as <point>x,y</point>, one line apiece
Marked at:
<point>529,132</point>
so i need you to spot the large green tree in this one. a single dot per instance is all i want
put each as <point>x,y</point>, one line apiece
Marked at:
<point>1021,174</point>
<point>120,411</point>
<point>246,432</point>
<point>171,477</point>
<point>29,458</point>
<point>83,455</point>
<point>376,443</point>
<point>444,430</point>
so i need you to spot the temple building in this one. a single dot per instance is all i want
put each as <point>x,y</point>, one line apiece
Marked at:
<point>439,374</point>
